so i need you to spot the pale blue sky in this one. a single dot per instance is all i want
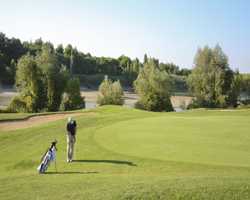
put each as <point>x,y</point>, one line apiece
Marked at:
<point>168,30</point>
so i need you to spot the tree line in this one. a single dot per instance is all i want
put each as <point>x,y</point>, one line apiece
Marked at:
<point>90,69</point>
<point>212,81</point>
<point>85,66</point>
<point>44,85</point>
<point>42,76</point>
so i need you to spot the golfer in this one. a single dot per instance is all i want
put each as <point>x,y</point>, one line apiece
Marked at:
<point>71,138</point>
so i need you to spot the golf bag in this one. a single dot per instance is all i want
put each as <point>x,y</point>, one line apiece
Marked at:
<point>48,157</point>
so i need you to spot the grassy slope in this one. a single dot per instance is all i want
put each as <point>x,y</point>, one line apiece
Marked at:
<point>125,153</point>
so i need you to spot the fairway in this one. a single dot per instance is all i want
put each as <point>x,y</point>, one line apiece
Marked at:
<point>124,153</point>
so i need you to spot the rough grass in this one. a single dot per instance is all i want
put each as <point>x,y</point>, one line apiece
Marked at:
<point>125,153</point>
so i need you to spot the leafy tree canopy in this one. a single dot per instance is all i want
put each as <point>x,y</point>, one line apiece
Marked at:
<point>154,87</point>
<point>110,93</point>
<point>73,99</point>
<point>67,50</point>
<point>41,82</point>
<point>39,42</point>
<point>211,78</point>
<point>60,49</point>
<point>124,60</point>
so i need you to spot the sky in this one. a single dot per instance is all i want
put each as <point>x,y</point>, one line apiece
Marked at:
<point>169,30</point>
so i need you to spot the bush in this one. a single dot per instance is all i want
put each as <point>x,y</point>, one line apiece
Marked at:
<point>154,87</point>
<point>197,102</point>
<point>16,105</point>
<point>73,99</point>
<point>2,110</point>
<point>110,93</point>
<point>156,103</point>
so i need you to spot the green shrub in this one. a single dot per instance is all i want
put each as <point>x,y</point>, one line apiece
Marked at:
<point>2,110</point>
<point>154,87</point>
<point>110,93</point>
<point>73,99</point>
<point>16,105</point>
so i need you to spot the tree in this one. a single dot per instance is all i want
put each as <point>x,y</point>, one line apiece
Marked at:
<point>145,59</point>
<point>39,42</point>
<point>50,45</point>
<point>110,93</point>
<point>28,81</point>
<point>41,81</point>
<point>170,68</point>
<point>136,65</point>
<point>235,89</point>
<point>11,72</point>
<point>60,49</point>
<point>123,61</point>
<point>154,87</point>
<point>2,67</point>
<point>67,50</point>
<point>12,48</point>
<point>54,77</point>
<point>211,78</point>
<point>3,43</point>
<point>78,64</point>
<point>16,49</point>
<point>75,51</point>
<point>34,49</point>
<point>73,99</point>
<point>185,72</point>
<point>25,47</point>
<point>245,83</point>
<point>131,71</point>
<point>88,55</point>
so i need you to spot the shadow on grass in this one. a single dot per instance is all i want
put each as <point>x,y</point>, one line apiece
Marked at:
<point>108,161</point>
<point>71,172</point>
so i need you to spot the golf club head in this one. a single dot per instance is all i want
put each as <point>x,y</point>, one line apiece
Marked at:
<point>54,144</point>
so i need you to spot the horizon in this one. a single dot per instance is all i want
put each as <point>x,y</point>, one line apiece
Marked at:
<point>166,30</point>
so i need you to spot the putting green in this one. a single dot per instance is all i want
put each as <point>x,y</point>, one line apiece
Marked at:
<point>219,140</point>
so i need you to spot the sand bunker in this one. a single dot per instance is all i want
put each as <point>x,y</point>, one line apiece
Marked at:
<point>36,120</point>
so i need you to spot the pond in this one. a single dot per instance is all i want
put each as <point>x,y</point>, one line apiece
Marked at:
<point>92,105</point>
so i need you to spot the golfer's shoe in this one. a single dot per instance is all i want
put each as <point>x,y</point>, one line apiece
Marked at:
<point>68,160</point>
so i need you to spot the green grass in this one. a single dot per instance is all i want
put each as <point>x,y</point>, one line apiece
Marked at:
<point>125,153</point>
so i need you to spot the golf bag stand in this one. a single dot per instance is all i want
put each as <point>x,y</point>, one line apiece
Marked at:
<point>48,157</point>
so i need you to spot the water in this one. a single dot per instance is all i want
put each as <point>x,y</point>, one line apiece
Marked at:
<point>178,109</point>
<point>4,101</point>
<point>90,105</point>
<point>244,98</point>
<point>93,105</point>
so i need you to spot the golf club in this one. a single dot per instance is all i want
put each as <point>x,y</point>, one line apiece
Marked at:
<point>75,151</point>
